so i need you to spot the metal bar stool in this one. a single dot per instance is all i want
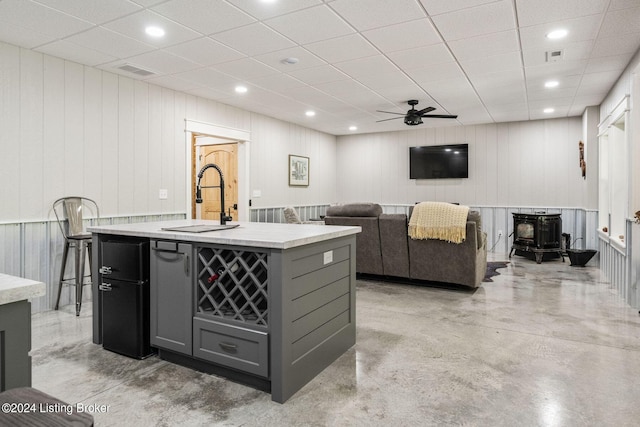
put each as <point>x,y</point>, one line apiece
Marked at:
<point>69,213</point>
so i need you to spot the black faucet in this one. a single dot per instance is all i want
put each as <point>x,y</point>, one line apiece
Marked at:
<point>223,218</point>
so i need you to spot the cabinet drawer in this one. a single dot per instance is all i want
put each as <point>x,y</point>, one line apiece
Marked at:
<point>239,348</point>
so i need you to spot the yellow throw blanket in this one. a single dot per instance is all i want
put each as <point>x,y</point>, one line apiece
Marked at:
<point>437,220</point>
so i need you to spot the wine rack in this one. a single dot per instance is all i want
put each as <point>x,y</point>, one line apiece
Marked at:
<point>233,284</point>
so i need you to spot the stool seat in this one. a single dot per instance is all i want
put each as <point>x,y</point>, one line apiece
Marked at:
<point>47,410</point>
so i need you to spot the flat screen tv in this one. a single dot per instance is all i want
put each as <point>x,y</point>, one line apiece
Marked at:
<point>439,161</point>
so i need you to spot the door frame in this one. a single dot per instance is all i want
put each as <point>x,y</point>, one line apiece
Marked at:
<point>242,137</point>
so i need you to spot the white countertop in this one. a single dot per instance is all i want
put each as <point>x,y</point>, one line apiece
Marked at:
<point>14,289</point>
<point>252,234</point>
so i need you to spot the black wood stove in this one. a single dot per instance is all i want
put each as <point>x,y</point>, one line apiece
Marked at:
<point>537,235</point>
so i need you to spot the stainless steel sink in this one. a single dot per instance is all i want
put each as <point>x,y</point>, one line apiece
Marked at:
<point>201,228</point>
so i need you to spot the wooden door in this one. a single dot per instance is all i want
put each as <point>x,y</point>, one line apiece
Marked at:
<point>226,157</point>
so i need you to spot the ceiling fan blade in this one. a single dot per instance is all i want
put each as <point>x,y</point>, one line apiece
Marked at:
<point>425,110</point>
<point>440,116</point>
<point>393,118</point>
<point>390,112</point>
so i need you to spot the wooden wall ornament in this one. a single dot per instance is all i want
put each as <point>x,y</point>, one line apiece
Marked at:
<point>583,163</point>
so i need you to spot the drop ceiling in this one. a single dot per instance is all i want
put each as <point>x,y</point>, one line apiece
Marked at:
<point>484,60</point>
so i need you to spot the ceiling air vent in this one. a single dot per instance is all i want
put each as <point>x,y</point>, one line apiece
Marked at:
<point>136,70</point>
<point>555,55</point>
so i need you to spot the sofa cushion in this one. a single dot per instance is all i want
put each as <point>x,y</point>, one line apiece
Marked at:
<point>475,216</point>
<point>393,242</point>
<point>368,254</point>
<point>355,209</point>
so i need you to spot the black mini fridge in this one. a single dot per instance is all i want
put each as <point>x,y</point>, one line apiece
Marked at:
<point>124,285</point>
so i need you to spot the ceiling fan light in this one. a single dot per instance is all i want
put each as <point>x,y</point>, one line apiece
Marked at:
<point>413,120</point>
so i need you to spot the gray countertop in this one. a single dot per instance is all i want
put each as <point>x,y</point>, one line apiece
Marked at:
<point>14,289</point>
<point>252,234</point>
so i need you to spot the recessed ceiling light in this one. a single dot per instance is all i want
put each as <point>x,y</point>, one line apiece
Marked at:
<point>154,31</point>
<point>352,128</point>
<point>241,89</point>
<point>548,110</point>
<point>551,83</point>
<point>268,1</point>
<point>310,113</point>
<point>557,34</point>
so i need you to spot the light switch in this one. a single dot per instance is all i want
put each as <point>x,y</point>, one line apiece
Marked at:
<point>256,193</point>
<point>163,194</point>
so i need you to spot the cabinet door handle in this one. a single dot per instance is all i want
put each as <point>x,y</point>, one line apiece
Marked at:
<point>228,347</point>
<point>186,264</point>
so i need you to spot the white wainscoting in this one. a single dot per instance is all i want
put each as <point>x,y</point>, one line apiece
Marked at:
<point>276,214</point>
<point>579,223</point>
<point>620,266</point>
<point>33,250</point>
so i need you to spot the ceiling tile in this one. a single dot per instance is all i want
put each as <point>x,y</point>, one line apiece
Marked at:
<point>493,64</point>
<point>134,26</point>
<point>406,35</point>
<point>620,45</point>
<point>110,43</point>
<point>161,62</point>
<point>276,59</point>
<point>495,80</point>
<point>485,45</point>
<point>400,94</point>
<point>429,75</point>
<point>173,82</point>
<point>75,53</point>
<point>437,7</point>
<point>276,82</point>
<point>571,52</point>
<point>246,68</point>
<point>380,80</point>
<point>22,36</point>
<point>363,67</point>
<point>608,63</point>
<point>622,4</point>
<point>322,74</point>
<point>543,93</point>
<point>254,39</point>
<point>41,19</point>
<point>421,57</point>
<point>621,21</point>
<point>366,15</point>
<point>210,78</point>
<point>205,51</point>
<point>544,11</point>
<point>325,23</point>
<point>202,17</point>
<point>343,48</point>
<point>580,29</point>
<point>265,10</point>
<point>476,21</point>
<point>555,69</point>
<point>94,11</point>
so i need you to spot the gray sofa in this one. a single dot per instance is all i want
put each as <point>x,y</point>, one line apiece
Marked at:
<point>384,248</point>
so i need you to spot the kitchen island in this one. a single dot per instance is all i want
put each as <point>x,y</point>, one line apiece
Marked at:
<point>15,329</point>
<point>269,305</point>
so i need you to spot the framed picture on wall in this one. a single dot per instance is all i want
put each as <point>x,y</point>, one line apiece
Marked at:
<point>298,171</point>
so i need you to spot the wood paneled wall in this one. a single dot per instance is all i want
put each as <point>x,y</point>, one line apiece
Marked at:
<point>510,164</point>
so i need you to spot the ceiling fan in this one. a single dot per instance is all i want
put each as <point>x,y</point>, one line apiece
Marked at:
<point>414,117</point>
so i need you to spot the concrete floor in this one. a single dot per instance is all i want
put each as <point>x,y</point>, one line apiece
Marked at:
<point>542,345</point>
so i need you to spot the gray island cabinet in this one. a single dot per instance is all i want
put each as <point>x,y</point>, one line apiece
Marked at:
<point>268,305</point>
